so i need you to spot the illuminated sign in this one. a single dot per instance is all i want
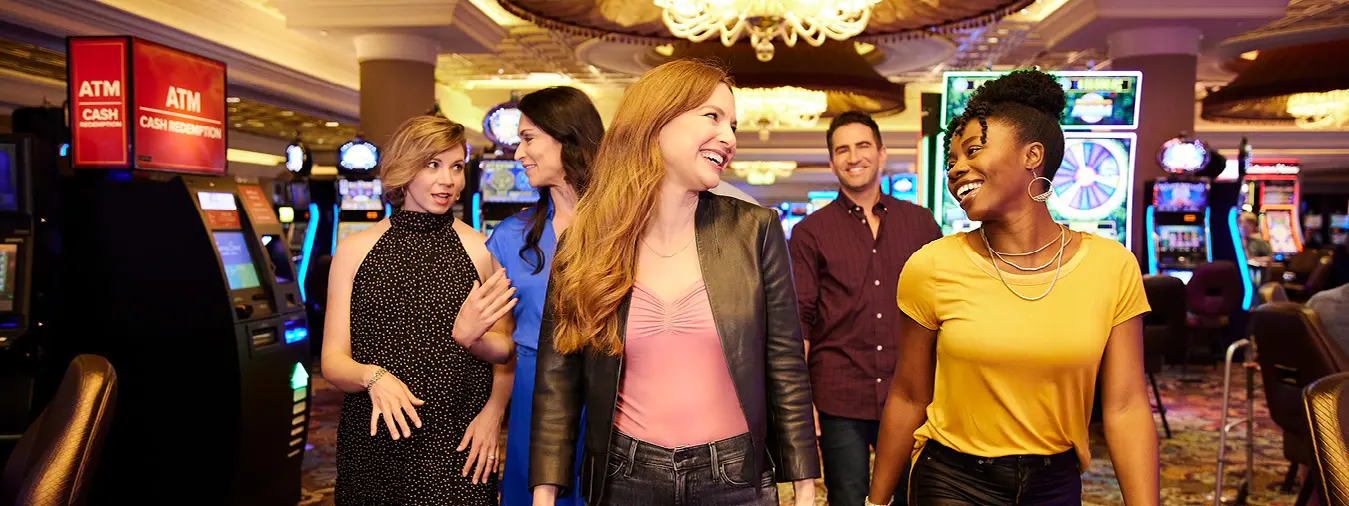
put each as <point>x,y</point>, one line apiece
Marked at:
<point>137,104</point>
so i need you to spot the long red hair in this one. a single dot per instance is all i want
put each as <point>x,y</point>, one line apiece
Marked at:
<point>596,264</point>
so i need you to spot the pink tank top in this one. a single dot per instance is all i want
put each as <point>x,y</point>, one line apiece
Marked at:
<point>676,388</point>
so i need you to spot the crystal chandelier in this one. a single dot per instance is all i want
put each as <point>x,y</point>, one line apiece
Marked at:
<point>782,107</point>
<point>763,173</point>
<point>813,20</point>
<point>1320,110</point>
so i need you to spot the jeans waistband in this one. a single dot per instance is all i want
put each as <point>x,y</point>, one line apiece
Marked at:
<point>944,453</point>
<point>685,457</point>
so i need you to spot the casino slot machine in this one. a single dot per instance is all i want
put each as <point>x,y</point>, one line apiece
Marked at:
<point>181,278</point>
<point>360,195</point>
<point>1178,228</point>
<point>1092,188</point>
<point>1270,188</point>
<point>25,260</point>
<point>503,190</point>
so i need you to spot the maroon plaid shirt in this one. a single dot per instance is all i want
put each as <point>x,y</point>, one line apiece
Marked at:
<point>845,287</point>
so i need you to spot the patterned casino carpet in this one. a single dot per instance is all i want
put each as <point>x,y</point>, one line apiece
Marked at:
<point>1187,470</point>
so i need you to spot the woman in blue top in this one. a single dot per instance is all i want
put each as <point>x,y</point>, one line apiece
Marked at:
<point>559,133</point>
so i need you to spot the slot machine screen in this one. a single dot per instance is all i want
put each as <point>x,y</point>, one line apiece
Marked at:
<point>351,227</point>
<point>1279,228</point>
<point>505,181</point>
<point>1183,276</point>
<point>1180,197</point>
<point>8,166</point>
<point>1180,238</point>
<point>9,261</point>
<point>239,268</point>
<point>1339,221</point>
<point>360,195</point>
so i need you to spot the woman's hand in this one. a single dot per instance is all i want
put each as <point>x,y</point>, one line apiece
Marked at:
<point>390,399</point>
<point>805,492</point>
<point>482,439</point>
<point>486,303</point>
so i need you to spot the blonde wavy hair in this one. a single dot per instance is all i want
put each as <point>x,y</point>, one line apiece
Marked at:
<point>595,265</point>
<point>417,141</point>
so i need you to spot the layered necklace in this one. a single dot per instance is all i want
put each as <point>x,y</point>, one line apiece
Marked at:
<point>995,255</point>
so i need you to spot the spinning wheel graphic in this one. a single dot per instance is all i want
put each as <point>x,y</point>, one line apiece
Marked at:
<point>1093,180</point>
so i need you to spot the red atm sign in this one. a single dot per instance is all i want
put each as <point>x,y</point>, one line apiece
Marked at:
<point>137,104</point>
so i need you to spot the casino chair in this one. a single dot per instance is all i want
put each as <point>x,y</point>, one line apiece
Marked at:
<point>55,460</point>
<point>1212,295</point>
<point>1162,327</point>
<point>1327,401</point>
<point>1311,269</point>
<point>1293,352</point>
<point>1273,292</point>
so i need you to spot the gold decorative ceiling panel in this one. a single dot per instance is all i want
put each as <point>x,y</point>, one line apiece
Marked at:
<point>32,60</point>
<point>640,21</point>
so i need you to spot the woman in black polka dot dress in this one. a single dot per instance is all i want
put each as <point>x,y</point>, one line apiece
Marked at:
<point>411,336</point>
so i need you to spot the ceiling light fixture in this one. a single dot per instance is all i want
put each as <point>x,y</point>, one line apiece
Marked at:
<point>763,173</point>
<point>765,20</point>
<point>782,107</point>
<point>1328,109</point>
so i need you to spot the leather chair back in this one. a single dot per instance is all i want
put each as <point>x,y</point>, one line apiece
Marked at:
<point>1273,292</point>
<point>1293,351</point>
<point>1327,401</point>
<point>55,459</point>
<point>1164,327</point>
<point>1319,275</point>
<point>1215,289</point>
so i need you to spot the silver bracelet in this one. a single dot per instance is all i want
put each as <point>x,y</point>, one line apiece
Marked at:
<point>379,373</point>
<point>866,501</point>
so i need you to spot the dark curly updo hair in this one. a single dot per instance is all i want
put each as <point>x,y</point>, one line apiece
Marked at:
<point>1029,100</point>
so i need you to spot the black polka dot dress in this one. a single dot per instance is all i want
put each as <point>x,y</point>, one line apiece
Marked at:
<point>404,300</point>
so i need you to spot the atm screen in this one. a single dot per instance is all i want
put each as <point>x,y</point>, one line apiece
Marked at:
<point>346,229</point>
<point>8,160</point>
<point>360,195</point>
<point>9,262</point>
<point>239,268</point>
<point>216,201</point>
<point>1180,238</point>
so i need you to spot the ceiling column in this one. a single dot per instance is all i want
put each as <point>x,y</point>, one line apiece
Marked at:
<point>397,81</point>
<point>1169,58</point>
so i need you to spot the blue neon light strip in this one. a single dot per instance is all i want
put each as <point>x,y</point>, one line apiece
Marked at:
<point>475,205</point>
<point>307,250</point>
<point>337,212</point>
<point>1208,236</point>
<point>1152,245</point>
<point>1242,267</point>
<point>388,210</point>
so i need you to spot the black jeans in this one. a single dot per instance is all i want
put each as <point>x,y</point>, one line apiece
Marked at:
<point>845,448</point>
<point>945,477</point>
<point>643,474</point>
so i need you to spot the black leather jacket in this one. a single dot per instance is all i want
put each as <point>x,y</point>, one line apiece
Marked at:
<point>743,254</point>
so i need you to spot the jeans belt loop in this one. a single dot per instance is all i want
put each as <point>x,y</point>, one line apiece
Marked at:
<point>716,466</point>
<point>632,456</point>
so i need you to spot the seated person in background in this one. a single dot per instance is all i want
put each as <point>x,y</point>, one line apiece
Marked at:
<point>1332,306</point>
<point>1258,251</point>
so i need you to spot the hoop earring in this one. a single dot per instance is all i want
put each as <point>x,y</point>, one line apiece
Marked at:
<point>1042,197</point>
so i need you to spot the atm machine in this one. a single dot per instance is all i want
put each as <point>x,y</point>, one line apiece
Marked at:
<point>180,277</point>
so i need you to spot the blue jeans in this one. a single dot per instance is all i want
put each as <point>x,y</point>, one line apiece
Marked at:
<point>945,477</point>
<point>845,447</point>
<point>644,474</point>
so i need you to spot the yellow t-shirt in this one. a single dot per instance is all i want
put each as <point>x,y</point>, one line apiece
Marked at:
<point>1016,377</point>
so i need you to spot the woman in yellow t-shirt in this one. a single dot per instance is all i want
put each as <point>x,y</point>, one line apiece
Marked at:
<point>1007,328</point>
